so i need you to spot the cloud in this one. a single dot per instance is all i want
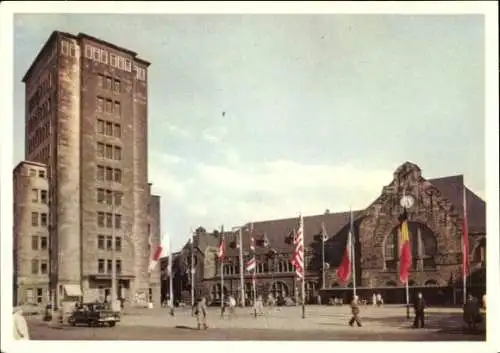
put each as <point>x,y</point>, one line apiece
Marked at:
<point>177,131</point>
<point>214,135</point>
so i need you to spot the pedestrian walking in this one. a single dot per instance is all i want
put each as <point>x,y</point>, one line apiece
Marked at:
<point>21,331</point>
<point>374,299</point>
<point>201,313</point>
<point>232,306</point>
<point>355,312</point>
<point>259,305</point>
<point>419,307</point>
<point>472,312</point>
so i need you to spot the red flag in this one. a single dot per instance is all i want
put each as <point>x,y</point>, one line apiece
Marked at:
<point>345,268</point>
<point>222,248</point>
<point>465,238</point>
<point>405,258</point>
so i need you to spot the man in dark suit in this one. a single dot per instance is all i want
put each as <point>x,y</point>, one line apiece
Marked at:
<point>419,307</point>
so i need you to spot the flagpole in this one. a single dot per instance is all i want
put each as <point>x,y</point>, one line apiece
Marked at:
<point>242,274</point>
<point>192,268</point>
<point>254,289</point>
<point>353,254</point>
<point>222,274</point>
<point>465,249</point>
<point>303,284</point>
<point>407,289</point>
<point>323,279</point>
<point>171,277</point>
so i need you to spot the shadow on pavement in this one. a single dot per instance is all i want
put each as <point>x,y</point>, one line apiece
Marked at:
<point>183,327</point>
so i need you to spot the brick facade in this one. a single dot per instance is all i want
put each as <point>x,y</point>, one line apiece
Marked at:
<point>86,121</point>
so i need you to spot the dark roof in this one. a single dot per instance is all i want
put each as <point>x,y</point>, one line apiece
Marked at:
<point>278,231</point>
<point>452,189</point>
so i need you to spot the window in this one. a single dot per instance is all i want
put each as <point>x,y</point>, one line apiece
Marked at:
<point>100,126</point>
<point>64,47</point>
<point>43,243</point>
<point>109,220</point>
<point>97,54</point>
<point>109,265</point>
<point>109,174</point>
<point>44,196</point>
<point>34,219</point>
<point>72,50</point>
<point>41,174</point>
<point>109,129</point>
<point>44,267</point>
<point>128,65</point>
<point>32,172</point>
<point>118,266</point>
<point>43,219</point>
<point>118,221</point>
<point>109,243</point>
<point>109,197</point>
<point>109,151</point>
<point>100,219</point>
<point>88,52</point>
<point>118,175</point>
<point>100,81</point>
<point>100,172</point>
<point>117,86</point>
<point>100,265</point>
<point>120,63</point>
<point>104,57</point>
<point>118,244</point>
<point>112,60</point>
<point>109,106</point>
<point>100,241</point>
<point>118,198</point>
<point>99,104</point>
<point>100,196</point>
<point>34,242</point>
<point>34,267</point>
<point>34,195</point>
<point>117,131</point>
<point>118,109</point>
<point>39,295</point>
<point>108,83</point>
<point>118,153</point>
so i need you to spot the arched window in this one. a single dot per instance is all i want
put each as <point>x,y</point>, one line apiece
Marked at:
<point>290,267</point>
<point>215,292</point>
<point>431,282</point>
<point>279,288</point>
<point>391,250</point>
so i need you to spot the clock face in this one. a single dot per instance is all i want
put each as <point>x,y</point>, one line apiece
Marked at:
<point>407,201</point>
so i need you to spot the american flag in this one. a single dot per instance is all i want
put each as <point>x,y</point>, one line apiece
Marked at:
<point>298,254</point>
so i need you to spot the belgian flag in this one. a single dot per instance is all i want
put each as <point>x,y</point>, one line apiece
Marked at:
<point>405,259</point>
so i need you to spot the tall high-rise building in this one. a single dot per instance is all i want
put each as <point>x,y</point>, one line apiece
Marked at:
<point>86,126</point>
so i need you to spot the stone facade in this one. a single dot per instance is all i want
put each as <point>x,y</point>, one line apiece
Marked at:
<point>435,222</point>
<point>31,234</point>
<point>86,119</point>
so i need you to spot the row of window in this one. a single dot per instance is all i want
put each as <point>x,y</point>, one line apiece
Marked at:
<point>41,134</point>
<point>108,128</point>
<point>140,73</point>
<point>39,267</point>
<point>263,267</point>
<point>68,48</point>
<point>106,266</point>
<point>105,220</point>
<point>109,197</point>
<point>39,112</point>
<point>42,88</point>
<point>109,174</point>
<point>108,106</point>
<point>109,84</point>
<point>39,242</point>
<point>33,295</point>
<point>109,151</point>
<point>43,155</point>
<point>39,219</point>
<point>39,196</point>
<point>40,172</point>
<point>101,56</point>
<point>105,242</point>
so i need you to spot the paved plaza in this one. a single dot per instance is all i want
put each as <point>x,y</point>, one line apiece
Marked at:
<point>285,323</point>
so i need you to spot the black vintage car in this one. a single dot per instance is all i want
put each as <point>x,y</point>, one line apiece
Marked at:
<point>94,314</point>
